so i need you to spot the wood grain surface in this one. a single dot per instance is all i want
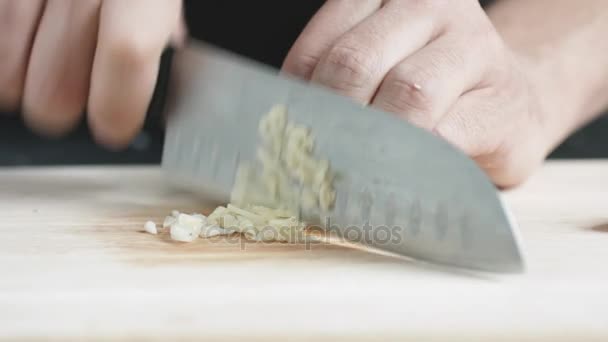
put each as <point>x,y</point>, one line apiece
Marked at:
<point>74,264</point>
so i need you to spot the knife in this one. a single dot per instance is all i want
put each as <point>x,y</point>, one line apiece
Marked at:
<point>405,190</point>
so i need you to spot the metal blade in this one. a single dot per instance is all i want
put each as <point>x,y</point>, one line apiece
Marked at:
<point>408,191</point>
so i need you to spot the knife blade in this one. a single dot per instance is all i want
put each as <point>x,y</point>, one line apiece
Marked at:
<point>401,190</point>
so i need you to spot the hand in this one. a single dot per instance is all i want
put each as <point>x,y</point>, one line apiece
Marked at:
<point>60,56</point>
<point>439,64</point>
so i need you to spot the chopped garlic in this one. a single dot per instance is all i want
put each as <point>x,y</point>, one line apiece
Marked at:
<point>169,221</point>
<point>291,177</point>
<point>200,217</point>
<point>229,221</point>
<point>258,223</point>
<point>190,220</point>
<point>252,235</point>
<point>299,139</point>
<point>184,233</point>
<point>280,213</point>
<point>272,126</point>
<point>246,214</point>
<point>213,230</point>
<point>308,200</point>
<point>327,196</point>
<point>187,228</point>
<point>264,203</point>
<point>322,174</point>
<point>150,228</point>
<point>216,215</point>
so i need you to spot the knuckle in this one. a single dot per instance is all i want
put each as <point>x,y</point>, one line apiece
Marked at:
<point>130,51</point>
<point>347,67</point>
<point>446,58</point>
<point>466,131</point>
<point>56,102</point>
<point>301,65</point>
<point>409,93</point>
<point>17,17</point>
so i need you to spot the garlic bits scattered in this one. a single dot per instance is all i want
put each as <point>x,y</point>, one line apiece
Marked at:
<point>270,192</point>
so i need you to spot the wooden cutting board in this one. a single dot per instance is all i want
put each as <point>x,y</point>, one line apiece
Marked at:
<point>74,264</point>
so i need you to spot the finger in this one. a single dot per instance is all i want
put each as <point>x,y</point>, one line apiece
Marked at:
<point>18,23</point>
<point>332,21</point>
<point>356,64</point>
<point>426,85</point>
<point>180,33</point>
<point>132,37</point>
<point>499,130</point>
<point>58,75</point>
<point>471,123</point>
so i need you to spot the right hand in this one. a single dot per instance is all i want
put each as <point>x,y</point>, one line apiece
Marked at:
<point>441,65</point>
<point>58,57</point>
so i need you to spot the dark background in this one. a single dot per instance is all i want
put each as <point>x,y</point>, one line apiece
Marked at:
<point>263,30</point>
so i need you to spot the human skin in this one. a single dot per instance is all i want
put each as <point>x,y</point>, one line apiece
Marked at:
<point>505,86</point>
<point>60,56</point>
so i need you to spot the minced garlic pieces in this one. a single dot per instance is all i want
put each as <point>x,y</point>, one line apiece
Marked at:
<point>272,126</point>
<point>259,223</point>
<point>186,228</point>
<point>290,177</point>
<point>150,228</point>
<point>256,223</point>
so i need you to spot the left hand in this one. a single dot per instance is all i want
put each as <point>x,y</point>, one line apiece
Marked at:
<point>439,64</point>
<point>58,57</point>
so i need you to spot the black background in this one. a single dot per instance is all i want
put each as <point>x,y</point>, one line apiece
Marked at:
<point>263,30</point>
